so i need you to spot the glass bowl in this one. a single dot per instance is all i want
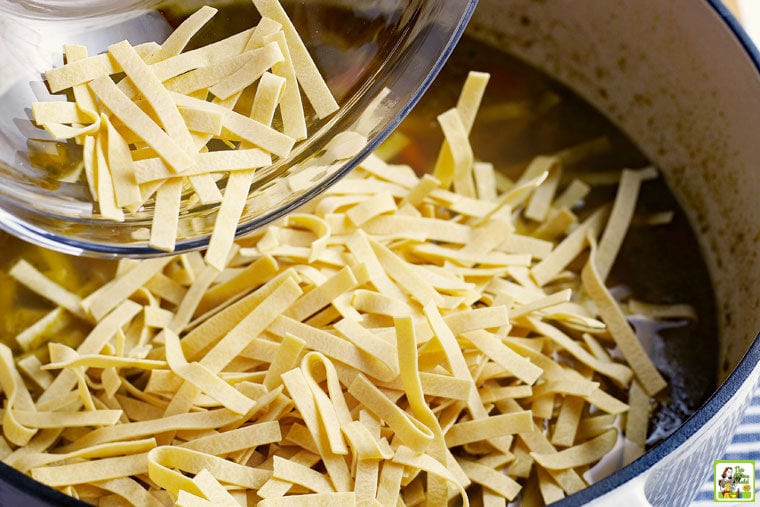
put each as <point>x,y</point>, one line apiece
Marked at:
<point>378,57</point>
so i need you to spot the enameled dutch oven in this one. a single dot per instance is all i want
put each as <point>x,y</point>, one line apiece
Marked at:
<point>682,79</point>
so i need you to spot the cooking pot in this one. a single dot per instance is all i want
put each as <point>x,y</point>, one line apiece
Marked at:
<point>682,80</point>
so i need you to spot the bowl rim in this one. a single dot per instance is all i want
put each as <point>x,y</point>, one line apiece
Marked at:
<point>31,231</point>
<point>718,400</point>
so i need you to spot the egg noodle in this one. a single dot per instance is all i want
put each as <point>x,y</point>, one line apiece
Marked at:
<point>145,116</point>
<point>400,340</point>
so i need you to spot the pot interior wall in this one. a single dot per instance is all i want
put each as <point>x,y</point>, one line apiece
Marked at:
<point>675,78</point>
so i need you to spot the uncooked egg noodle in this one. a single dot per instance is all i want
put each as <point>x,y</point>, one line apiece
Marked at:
<point>401,336</point>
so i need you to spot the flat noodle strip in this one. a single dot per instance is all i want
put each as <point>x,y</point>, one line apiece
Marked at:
<point>314,86</point>
<point>151,89</point>
<point>163,230</point>
<point>410,430</point>
<point>646,373</point>
<point>491,479</point>
<point>91,471</point>
<point>192,421</point>
<point>249,72</point>
<point>140,123</point>
<point>203,378</point>
<point>162,460</point>
<point>83,70</point>
<point>586,453</point>
<point>337,499</point>
<point>504,356</point>
<point>104,183</point>
<point>298,387</point>
<point>238,439</point>
<point>112,294</point>
<point>491,427</point>
<point>176,42</point>
<point>620,218</point>
<point>25,273</point>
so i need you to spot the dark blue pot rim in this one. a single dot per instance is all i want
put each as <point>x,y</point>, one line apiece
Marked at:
<point>724,393</point>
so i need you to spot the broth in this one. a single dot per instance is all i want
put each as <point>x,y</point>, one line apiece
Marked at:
<point>533,114</point>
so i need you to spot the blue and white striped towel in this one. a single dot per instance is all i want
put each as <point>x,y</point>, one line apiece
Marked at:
<point>744,446</point>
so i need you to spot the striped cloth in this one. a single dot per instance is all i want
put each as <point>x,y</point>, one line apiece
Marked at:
<point>744,446</point>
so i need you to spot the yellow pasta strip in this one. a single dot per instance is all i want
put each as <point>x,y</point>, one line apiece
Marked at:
<point>178,39</point>
<point>410,458</point>
<point>196,420</point>
<point>337,499</point>
<point>92,344</point>
<point>29,276</point>
<point>71,359</point>
<point>369,343</point>
<point>431,228</point>
<point>213,490</point>
<point>567,250</point>
<point>201,57</point>
<point>636,423</point>
<point>154,169</point>
<point>301,475</point>
<point>248,73</point>
<point>569,416</point>
<point>583,454</point>
<point>405,276</point>
<point>409,429</point>
<point>253,324</point>
<point>620,218</point>
<point>646,373</point>
<point>163,230</point>
<point>333,347</point>
<point>616,371</point>
<point>287,357</point>
<point>458,171</point>
<point>491,479</point>
<point>319,297</point>
<point>268,95</point>
<point>494,426</point>
<point>314,86</point>
<point>58,112</point>
<point>151,89</point>
<point>112,294</point>
<point>291,110</point>
<point>514,363</point>
<point>16,397</point>
<point>203,378</point>
<point>161,461</point>
<point>140,124</point>
<point>298,386</point>
<point>331,407</point>
<point>130,490</point>
<point>104,184</point>
<point>84,70</point>
<point>208,333</point>
<point>91,471</point>
<point>238,439</point>
<point>372,207</point>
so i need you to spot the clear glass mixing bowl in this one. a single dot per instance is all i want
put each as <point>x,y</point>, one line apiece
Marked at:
<point>372,53</point>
